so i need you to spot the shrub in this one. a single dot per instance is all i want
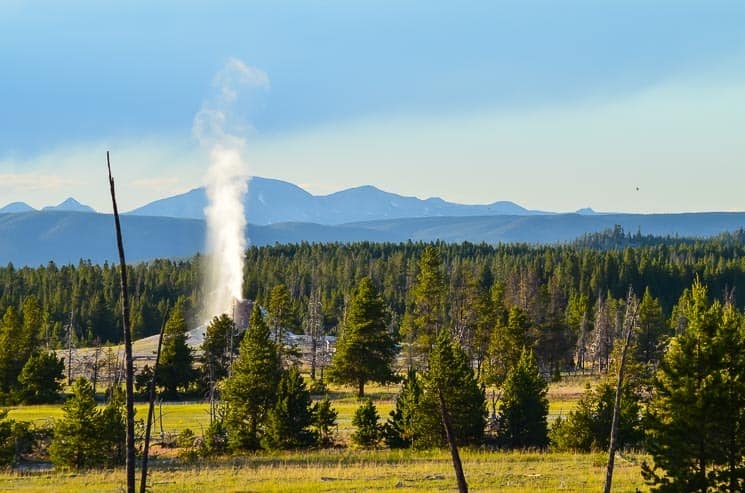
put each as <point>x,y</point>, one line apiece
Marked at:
<point>366,421</point>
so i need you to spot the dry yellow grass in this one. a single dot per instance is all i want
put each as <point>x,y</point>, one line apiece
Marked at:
<point>357,470</point>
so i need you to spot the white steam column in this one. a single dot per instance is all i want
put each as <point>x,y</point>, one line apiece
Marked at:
<point>226,184</point>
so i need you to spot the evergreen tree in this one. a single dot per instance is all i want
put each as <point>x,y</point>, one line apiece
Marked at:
<point>9,431</point>
<point>366,349</point>
<point>365,420</point>
<point>507,340</point>
<point>696,420</point>
<point>449,374</point>
<point>33,320</point>
<point>524,406</point>
<point>251,390</point>
<point>425,315</point>
<point>216,348</point>
<point>288,421</point>
<point>324,419</point>
<point>11,361</point>
<point>587,428</point>
<point>399,429</point>
<point>652,330</point>
<point>87,437</point>
<point>280,314</point>
<point>41,378</point>
<point>175,369</point>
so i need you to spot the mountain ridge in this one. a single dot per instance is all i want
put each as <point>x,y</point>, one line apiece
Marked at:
<point>37,237</point>
<point>271,201</point>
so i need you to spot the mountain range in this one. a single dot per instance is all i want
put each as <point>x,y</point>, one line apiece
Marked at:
<point>270,201</point>
<point>279,212</point>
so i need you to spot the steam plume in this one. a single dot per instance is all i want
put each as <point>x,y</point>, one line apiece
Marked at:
<point>226,182</point>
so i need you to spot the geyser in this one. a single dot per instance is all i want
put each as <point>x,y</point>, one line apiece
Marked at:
<point>226,184</point>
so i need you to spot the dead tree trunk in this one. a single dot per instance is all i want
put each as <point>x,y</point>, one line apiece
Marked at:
<point>457,465</point>
<point>129,366</point>
<point>151,407</point>
<point>632,309</point>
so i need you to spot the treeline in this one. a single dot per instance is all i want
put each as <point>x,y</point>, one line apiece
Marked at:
<point>87,297</point>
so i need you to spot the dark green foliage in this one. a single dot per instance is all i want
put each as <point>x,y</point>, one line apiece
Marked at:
<point>587,428</point>
<point>11,361</point>
<point>366,349</point>
<point>695,425</point>
<point>450,374</point>
<point>251,391</point>
<point>425,314</point>
<point>324,419</point>
<point>652,331</point>
<point>41,378</point>
<point>216,439</point>
<point>93,294</point>
<point>367,428</point>
<point>507,339</point>
<point>399,430</point>
<point>289,420</point>
<point>15,438</point>
<point>216,348</point>
<point>175,369</point>
<point>86,436</point>
<point>281,317</point>
<point>523,408</point>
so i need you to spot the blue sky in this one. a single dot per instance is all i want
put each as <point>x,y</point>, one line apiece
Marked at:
<point>554,105</point>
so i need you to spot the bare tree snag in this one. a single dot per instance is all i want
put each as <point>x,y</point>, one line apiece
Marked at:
<point>129,366</point>
<point>632,311</point>
<point>457,465</point>
<point>151,406</point>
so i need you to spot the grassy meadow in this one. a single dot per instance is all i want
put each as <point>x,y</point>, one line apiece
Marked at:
<point>342,468</point>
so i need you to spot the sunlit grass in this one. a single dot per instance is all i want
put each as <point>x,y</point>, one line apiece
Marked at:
<point>359,470</point>
<point>343,469</point>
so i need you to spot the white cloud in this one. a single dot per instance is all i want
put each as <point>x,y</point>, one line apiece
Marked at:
<point>144,170</point>
<point>24,182</point>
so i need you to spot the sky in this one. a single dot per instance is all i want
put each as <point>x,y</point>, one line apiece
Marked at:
<point>553,105</point>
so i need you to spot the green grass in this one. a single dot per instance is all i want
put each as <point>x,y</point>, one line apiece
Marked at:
<point>176,416</point>
<point>357,470</point>
<point>344,469</point>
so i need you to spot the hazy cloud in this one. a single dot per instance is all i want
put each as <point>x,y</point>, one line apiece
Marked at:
<point>35,182</point>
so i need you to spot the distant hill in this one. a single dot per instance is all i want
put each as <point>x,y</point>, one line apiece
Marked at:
<point>14,207</point>
<point>270,201</point>
<point>70,205</point>
<point>34,238</point>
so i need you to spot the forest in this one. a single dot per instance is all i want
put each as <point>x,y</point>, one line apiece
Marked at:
<point>542,280</point>
<point>460,329</point>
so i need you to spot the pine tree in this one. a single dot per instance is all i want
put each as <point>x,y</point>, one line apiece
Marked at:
<point>11,362</point>
<point>507,340</point>
<point>289,420</point>
<point>652,330</point>
<point>251,390</point>
<point>399,430</point>
<point>216,350</point>
<point>696,420</point>
<point>366,349</point>
<point>324,419</point>
<point>524,406</point>
<point>41,378</point>
<point>88,437</point>
<point>449,375</point>
<point>280,315</point>
<point>175,369</point>
<point>587,428</point>
<point>425,315</point>
<point>365,420</point>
